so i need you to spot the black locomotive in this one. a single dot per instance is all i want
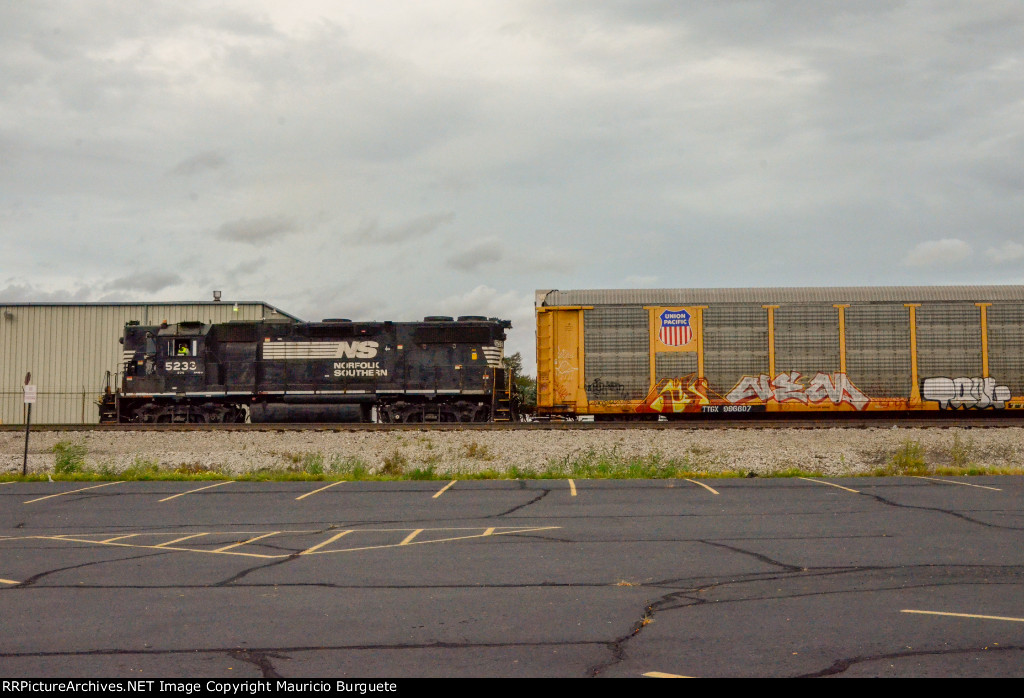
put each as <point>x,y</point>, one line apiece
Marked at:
<point>440,370</point>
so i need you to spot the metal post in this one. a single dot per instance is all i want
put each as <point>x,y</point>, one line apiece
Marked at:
<point>28,421</point>
<point>24,463</point>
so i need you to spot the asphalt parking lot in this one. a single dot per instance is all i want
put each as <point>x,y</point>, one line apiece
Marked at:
<point>621,578</point>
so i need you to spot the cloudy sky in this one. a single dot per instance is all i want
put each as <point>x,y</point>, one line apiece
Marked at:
<point>390,160</point>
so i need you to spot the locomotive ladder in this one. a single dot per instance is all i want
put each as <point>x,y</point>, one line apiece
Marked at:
<point>501,409</point>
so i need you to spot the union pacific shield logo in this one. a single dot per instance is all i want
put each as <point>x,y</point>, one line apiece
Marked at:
<point>675,328</point>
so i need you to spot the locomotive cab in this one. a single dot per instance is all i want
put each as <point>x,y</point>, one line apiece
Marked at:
<point>181,356</point>
<point>166,359</point>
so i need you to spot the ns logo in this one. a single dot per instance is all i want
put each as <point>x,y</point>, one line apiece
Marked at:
<point>357,350</point>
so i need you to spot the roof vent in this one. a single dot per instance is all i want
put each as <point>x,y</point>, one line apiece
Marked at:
<point>472,318</point>
<point>438,318</point>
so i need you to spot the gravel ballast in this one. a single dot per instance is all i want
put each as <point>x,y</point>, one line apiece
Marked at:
<point>833,452</point>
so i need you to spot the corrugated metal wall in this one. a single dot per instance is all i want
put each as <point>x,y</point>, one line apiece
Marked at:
<point>616,340</point>
<point>68,349</point>
<point>878,349</point>
<point>735,344</point>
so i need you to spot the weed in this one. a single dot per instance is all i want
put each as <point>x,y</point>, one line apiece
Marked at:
<point>195,471</point>
<point>612,465</point>
<point>313,463</point>
<point>141,469</point>
<point>909,460</point>
<point>394,464</point>
<point>70,458</point>
<point>961,452</point>
<point>422,473</point>
<point>475,450</point>
<point>349,467</point>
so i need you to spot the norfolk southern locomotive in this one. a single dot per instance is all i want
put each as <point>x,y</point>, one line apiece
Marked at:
<point>440,370</point>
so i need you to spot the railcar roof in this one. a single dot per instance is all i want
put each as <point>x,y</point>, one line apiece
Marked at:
<point>779,295</point>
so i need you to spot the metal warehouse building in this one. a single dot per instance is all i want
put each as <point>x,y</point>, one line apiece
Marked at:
<point>70,347</point>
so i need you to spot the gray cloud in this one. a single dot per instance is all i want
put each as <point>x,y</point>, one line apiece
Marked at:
<point>938,253</point>
<point>147,281</point>
<point>199,163</point>
<point>420,226</point>
<point>254,231</point>
<point>476,255</point>
<point>27,293</point>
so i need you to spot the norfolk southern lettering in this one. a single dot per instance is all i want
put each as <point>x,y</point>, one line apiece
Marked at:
<point>359,369</point>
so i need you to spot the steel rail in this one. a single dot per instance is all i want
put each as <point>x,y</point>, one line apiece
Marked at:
<point>947,421</point>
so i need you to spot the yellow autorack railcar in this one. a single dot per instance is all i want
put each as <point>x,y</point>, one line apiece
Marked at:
<point>644,353</point>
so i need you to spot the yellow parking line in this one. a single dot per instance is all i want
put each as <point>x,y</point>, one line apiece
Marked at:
<point>408,538</point>
<point>663,675</point>
<point>333,538</point>
<point>8,581</point>
<point>830,484</point>
<point>702,485</point>
<point>198,489</point>
<point>110,540</point>
<point>572,488</point>
<point>433,540</point>
<point>955,482</point>
<point>443,489</point>
<point>61,494</point>
<point>303,496</point>
<point>245,542</point>
<point>162,546</point>
<point>178,540</point>
<point>963,615</point>
<point>489,531</point>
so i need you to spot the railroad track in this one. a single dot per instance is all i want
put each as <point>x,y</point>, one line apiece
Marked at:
<point>953,420</point>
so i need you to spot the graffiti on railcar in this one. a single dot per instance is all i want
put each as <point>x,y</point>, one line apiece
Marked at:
<point>686,394</point>
<point>836,388</point>
<point>566,371</point>
<point>599,389</point>
<point>969,393</point>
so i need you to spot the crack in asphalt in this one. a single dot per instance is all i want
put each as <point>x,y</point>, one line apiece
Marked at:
<point>230,580</point>
<point>756,556</point>
<point>949,512</point>
<point>277,652</point>
<point>841,665</point>
<point>542,495</point>
<point>261,659</point>
<point>40,575</point>
<point>690,597</point>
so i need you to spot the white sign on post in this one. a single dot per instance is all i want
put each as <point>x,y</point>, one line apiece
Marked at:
<point>30,394</point>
